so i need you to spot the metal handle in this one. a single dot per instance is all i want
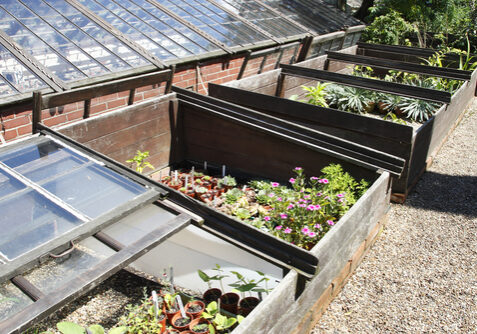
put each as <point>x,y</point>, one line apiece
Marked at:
<point>66,252</point>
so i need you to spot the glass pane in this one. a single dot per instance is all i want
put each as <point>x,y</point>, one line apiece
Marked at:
<point>38,49</point>
<point>5,89</point>
<point>139,224</point>
<point>17,74</point>
<point>214,21</point>
<point>54,273</point>
<point>12,300</point>
<point>8,184</point>
<point>29,220</point>
<point>262,17</point>
<point>94,190</point>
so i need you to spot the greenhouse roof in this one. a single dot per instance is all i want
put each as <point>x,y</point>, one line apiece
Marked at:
<point>55,45</point>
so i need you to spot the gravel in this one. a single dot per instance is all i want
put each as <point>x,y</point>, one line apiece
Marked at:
<point>421,275</point>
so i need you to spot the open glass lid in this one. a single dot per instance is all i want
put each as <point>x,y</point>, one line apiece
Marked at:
<point>55,199</point>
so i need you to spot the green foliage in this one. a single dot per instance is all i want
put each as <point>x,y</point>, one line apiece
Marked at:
<point>418,110</point>
<point>140,161</point>
<point>233,195</point>
<point>316,95</point>
<point>141,318</point>
<point>228,181</point>
<point>350,99</point>
<point>342,182</point>
<point>67,327</point>
<point>393,118</point>
<point>389,28</point>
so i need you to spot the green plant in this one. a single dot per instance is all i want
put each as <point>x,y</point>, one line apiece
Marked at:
<point>393,118</point>
<point>208,279</point>
<point>244,284</point>
<point>67,327</point>
<point>139,161</point>
<point>418,110</point>
<point>316,95</point>
<point>228,181</point>
<point>242,213</point>
<point>233,195</point>
<point>390,28</point>
<point>170,300</point>
<point>354,99</point>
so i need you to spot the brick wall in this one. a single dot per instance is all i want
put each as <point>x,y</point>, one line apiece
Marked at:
<point>16,122</point>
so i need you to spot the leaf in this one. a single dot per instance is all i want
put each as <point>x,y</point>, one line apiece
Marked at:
<point>206,278</point>
<point>118,330</point>
<point>67,327</point>
<point>96,329</point>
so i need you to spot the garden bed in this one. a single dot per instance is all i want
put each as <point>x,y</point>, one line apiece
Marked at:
<point>269,93</point>
<point>180,133</point>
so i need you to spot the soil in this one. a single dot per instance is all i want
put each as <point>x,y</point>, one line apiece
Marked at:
<point>181,322</point>
<point>201,328</point>
<point>194,308</point>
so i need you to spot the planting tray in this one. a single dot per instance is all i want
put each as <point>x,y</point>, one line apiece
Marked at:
<point>189,129</point>
<point>267,93</point>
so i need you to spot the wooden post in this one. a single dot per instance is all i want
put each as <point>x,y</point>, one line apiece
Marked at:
<point>36,112</point>
<point>244,64</point>
<point>169,82</point>
<point>281,80</point>
<point>305,48</point>
<point>132,92</point>
<point>87,108</point>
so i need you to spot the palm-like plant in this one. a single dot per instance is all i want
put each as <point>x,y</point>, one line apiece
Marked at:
<point>418,110</point>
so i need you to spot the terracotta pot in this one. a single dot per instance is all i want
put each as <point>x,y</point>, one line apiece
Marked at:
<point>172,331</point>
<point>170,314</point>
<point>229,302</point>
<point>196,304</point>
<point>399,112</point>
<point>211,295</point>
<point>247,304</point>
<point>198,321</point>
<point>383,107</point>
<point>175,184</point>
<point>176,318</point>
<point>162,321</point>
<point>370,107</point>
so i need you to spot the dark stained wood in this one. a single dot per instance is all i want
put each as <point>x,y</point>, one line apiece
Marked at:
<point>315,114</point>
<point>372,84</point>
<point>36,113</point>
<point>305,48</point>
<point>27,287</point>
<point>402,66</point>
<point>87,108</point>
<point>90,279</point>
<point>80,94</point>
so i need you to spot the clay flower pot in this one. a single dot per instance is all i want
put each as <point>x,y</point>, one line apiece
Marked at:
<point>211,295</point>
<point>229,302</point>
<point>247,304</point>
<point>195,308</point>
<point>170,313</point>
<point>180,323</point>
<point>199,321</point>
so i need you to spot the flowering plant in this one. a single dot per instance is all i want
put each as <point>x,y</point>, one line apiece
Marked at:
<point>303,214</point>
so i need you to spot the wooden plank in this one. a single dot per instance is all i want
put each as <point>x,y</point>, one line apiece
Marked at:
<point>372,84</point>
<point>90,279</point>
<point>257,81</point>
<point>442,72</point>
<point>314,114</point>
<point>333,145</point>
<point>86,93</point>
<point>27,287</point>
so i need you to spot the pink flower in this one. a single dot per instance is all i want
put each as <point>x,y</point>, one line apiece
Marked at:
<point>279,227</point>
<point>301,200</point>
<point>330,222</point>
<point>340,195</point>
<point>306,196</point>
<point>312,234</point>
<point>341,200</point>
<point>319,194</point>
<point>325,181</point>
<point>317,207</point>
<point>275,184</point>
<point>292,180</point>
<point>303,205</point>
<point>283,216</point>
<point>327,197</point>
<point>287,230</point>
<point>291,206</point>
<point>279,199</point>
<point>271,195</point>
<point>311,207</point>
<point>266,218</point>
<point>298,168</point>
<point>318,226</point>
<point>305,230</point>
<point>314,178</point>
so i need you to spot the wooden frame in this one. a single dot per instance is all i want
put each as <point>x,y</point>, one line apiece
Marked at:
<point>416,147</point>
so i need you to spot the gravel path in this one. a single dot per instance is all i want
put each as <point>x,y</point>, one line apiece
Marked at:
<point>421,275</point>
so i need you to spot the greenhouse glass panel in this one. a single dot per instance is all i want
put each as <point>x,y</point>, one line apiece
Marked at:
<point>56,272</point>
<point>262,17</point>
<point>48,189</point>
<point>17,75</point>
<point>215,22</point>
<point>166,40</point>
<point>5,89</point>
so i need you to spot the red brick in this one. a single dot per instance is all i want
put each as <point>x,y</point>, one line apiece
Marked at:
<point>117,103</point>
<point>150,94</point>
<point>24,130</point>
<point>75,115</point>
<point>16,122</point>
<point>55,120</point>
<point>106,98</point>
<point>97,108</point>
<point>10,134</point>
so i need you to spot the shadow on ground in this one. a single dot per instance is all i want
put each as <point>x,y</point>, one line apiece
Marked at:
<point>445,193</point>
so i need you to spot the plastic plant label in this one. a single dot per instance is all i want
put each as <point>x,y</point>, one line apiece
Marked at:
<point>181,306</point>
<point>156,304</point>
